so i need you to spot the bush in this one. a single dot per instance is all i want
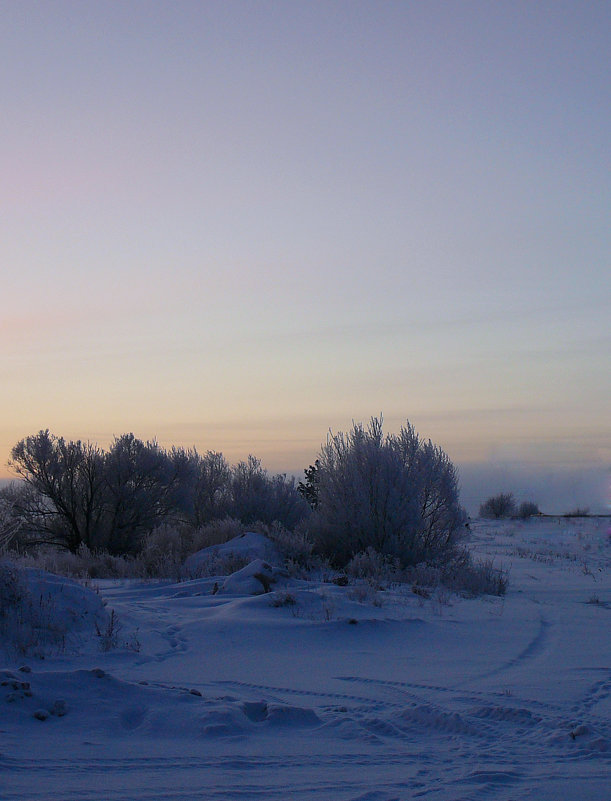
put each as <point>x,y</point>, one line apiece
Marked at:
<point>217,564</point>
<point>459,574</point>
<point>163,553</point>
<point>375,566</point>
<point>579,511</point>
<point>502,505</point>
<point>396,494</point>
<point>476,578</point>
<point>528,509</point>
<point>217,532</point>
<point>84,564</point>
<point>166,548</point>
<point>295,547</point>
<point>10,523</point>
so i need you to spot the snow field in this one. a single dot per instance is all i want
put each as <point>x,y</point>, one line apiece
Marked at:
<point>316,691</point>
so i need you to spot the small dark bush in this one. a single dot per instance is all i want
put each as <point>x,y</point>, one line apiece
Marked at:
<point>502,505</point>
<point>280,599</point>
<point>479,578</point>
<point>578,512</point>
<point>528,509</point>
<point>295,547</point>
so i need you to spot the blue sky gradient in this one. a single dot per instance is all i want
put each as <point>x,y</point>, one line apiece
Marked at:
<point>237,224</point>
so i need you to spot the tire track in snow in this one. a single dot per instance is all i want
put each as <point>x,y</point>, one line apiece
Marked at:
<point>338,697</point>
<point>535,648</point>
<point>597,694</point>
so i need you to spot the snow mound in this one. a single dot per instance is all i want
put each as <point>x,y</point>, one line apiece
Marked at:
<point>280,714</point>
<point>254,579</point>
<point>245,548</point>
<point>42,612</point>
<point>73,606</point>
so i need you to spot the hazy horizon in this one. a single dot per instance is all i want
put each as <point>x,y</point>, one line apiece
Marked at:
<point>237,224</point>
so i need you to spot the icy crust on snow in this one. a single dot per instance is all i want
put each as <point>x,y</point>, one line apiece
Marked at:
<point>318,691</point>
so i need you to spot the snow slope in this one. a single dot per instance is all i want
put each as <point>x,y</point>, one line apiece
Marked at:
<point>316,691</point>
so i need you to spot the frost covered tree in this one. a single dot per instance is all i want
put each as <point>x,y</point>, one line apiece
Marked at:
<point>143,489</point>
<point>65,502</point>
<point>258,497</point>
<point>397,494</point>
<point>79,494</point>
<point>211,491</point>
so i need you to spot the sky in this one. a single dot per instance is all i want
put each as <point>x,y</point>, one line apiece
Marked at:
<point>237,225</point>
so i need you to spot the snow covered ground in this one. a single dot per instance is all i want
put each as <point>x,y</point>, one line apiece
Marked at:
<point>317,691</point>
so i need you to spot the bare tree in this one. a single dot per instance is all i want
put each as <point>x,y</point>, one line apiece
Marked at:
<point>258,497</point>
<point>211,497</point>
<point>66,479</point>
<point>142,486</point>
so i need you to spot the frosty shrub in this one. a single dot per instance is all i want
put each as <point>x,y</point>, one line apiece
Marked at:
<point>10,523</point>
<point>295,547</point>
<point>163,552</point>
<point>216,532</point>
<point>102,565</point>
<point>501,505</point>
<point>460,574</point>
<point>109,633</point>
<point>28,625</point>
<point>12,588</point>
<point>528,509</point>
<point>396,494</point>
<point>476,578</point>
<point>375,566</point>
<point>14,602</point>
<point>84,564</point>
<point>365,591</point>
<point>166,548</point>
<point>218,564</point>
<point>161,557</point>
<point>424,576</point>
<point>282,598</point>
